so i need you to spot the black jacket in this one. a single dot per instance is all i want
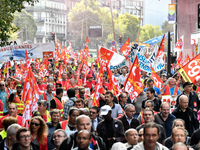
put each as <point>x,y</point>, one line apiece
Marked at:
<point>16,147</point>
<point>2,144</point>
<point>194,102</point>
<point>192,124</point>
<point>134,123</point>
<point>118,132</point>
<point>70,143</point>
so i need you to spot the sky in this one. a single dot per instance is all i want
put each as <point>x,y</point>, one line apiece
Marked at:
<point>155,11</point>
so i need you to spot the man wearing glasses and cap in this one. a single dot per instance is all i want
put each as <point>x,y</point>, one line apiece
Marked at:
<point>16,98</point>
<point>4,95</point>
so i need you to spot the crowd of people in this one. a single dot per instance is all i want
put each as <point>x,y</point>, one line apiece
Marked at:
<point>66,118</point>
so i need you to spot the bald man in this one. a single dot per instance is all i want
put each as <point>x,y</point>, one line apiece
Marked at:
<point>184,112</point>
<point>179,146</point>
<point>131,136</point>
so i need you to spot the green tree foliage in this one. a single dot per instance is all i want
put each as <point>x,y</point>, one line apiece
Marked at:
<point>26,24</point>
<point>149,31</point>
<point>167,27</point>
<point>8,8</point>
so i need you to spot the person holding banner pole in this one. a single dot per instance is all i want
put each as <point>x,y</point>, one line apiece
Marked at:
<point>170,88</point>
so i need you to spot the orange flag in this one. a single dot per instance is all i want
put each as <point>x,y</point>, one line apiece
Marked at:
<point>126,49</point>
<point>22,66</point>
<point>113,82</point>
<point>180,60</point>
<point>133,83</point>
<point>113,49</point>
<point>86,45</point>
<point>98,88</point>
<point>157,81</point>
<point>130,65</point>
<point>18,72</point>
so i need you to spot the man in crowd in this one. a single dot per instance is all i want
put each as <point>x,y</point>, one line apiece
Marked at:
<point>194,102</point>
<point>164,118</point>
<point>179,146</point>
<point>82,93</point>
<point>82,123</point>
<point>56,102</point>
<point>42,110</point>
<point>122,78</point>
<point>131,136</point>
<point>170,88</point>
<point>151,135</point>
<point>17,99</point>
<point>58,136</point>
<point>69,103</point>
<point>110,130</point>
<point>184,112</point>
<point>94,112</point>
<point>128,119</point>
<point>10,140</point>
<point>116,108</point>
<point>48,95</point>
<point>24,137</point>
<point>64,81</point>
<point>123,99</point>
<point>148,116</point>
<point>83,140</point>
<point>52,126</point>
<point>41,85</point>
<point>79,103</point>
<point>12,111</point>
<point>4,95</point>
<point>150,96</point>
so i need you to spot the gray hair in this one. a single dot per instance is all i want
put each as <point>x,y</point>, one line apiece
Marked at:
<point>178,119</point>
<point>12,129</point>
<point>63,131</point>
<point>179,144</point>
<point>49,84</point>
<point>150,101</point>
<point>128,106</point>
<point>79,117</point>
<point>126,133</point>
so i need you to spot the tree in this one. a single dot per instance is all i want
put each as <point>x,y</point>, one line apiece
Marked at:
<point>26,24</point>
<point>8,8</point>
<point>167,27</point>
<point>149,31</point>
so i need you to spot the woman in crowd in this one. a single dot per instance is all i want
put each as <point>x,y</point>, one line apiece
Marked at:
<point>38,130</point>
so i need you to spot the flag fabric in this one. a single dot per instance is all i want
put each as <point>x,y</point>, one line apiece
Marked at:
<point>190,71</point>
<point>22,66</point>
<point>113,49</point>
<point>18,72</point>
<point>7,68</point>
<point>86,45</point>
<point>113,82</point>
<point>161,48</point>
<point>129,64</point>
<point>133,83</point>
<point>180,60</point>
<point>98,88</point>
<point>30,96</point>
<point>157,81</point>
<point>126,49</point>
<point>1,76</point>
<point>27,66</point>
<point>180,44</point>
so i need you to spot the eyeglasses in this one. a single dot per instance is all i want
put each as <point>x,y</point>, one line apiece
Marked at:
<point>92,112</point>
<point>59,136</point>
<point>1,84</point>
<point>140,135</point>
<point>36,124</point>
<point>25,137</point>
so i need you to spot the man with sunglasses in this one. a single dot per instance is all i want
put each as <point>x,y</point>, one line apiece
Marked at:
<point>23,137</point>
<point>4,95</point>
<point>94,119</point>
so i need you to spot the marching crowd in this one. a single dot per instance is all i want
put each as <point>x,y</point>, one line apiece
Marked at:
<point>66,118</point>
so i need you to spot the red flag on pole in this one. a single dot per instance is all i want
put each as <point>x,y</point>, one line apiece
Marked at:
<point>133,83</point>
<point>161,48</point>
<point>126,49</point>
<point>157,81</point>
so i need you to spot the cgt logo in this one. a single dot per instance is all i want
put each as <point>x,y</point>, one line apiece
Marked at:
<point>47,54</point>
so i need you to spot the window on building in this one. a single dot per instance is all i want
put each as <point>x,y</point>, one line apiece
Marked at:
<point>134,12</point>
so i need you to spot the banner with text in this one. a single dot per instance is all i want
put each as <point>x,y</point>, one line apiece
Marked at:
<point>17,52</point>
<point>171,100</point>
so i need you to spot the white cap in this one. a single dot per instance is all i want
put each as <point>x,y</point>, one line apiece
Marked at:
<point>104,110</point>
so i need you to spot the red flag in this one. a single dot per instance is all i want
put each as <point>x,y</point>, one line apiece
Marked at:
<point>130,65</point>
<point>105,56</point>
<point>98,88</point>
<point>27,66</point>
<point>113,49</point>
<point>157,81</point>
<point>22,66</point>
<point>78,71</point>
<point>1,76</point>
<point>7,68</point>
<point>133,83</point>
<point>161,48</point>
<point>18,72</point>
<point>113,82</point>
<point>86,45</point>
<point>126,49</point>
<point>190,72</point>
<point>180,60</point>
<point>37,64</point>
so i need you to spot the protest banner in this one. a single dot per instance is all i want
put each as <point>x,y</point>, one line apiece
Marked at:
<point>171,100</point>
<point>17,52</point>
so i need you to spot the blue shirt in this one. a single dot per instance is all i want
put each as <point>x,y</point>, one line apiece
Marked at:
<point>157,91</point>
<point>172,91</point>
<point>4,98</point>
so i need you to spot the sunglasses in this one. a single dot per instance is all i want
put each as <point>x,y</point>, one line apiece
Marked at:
<point>92,112</point>
<point>36,124</point>
<point>1,85</point>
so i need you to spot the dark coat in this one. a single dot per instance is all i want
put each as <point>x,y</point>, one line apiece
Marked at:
<point>193,123</point>
<point>16,147</point>
<point>70,143</point>
<point>134,123</point>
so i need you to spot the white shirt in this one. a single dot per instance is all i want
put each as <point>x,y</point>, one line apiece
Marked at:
<point>129,120</point>
<point>122,79</point>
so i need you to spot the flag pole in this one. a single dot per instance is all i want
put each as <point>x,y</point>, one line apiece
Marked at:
<point>168,57</point>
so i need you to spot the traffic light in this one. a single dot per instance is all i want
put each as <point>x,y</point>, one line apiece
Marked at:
<point>53,36</point>
<point>120,39</point>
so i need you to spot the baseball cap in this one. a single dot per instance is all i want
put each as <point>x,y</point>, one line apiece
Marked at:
<point>187,83</point>
<point>19,85</point>
<point>104,110</point>
<point>89,76</point>
<point>81,89</point>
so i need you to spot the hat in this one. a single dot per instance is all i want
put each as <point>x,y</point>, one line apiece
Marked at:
<point>58,82</point>
<point>164,73</point>
<point>81,89</point>
<point>89,76</point>
<point>43,102</point>
<point>104,110</point>
<point>187,83</point>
